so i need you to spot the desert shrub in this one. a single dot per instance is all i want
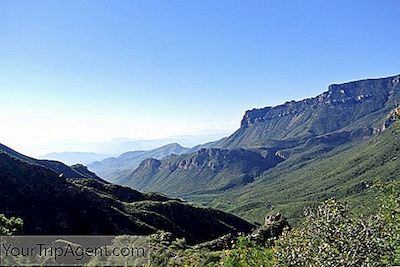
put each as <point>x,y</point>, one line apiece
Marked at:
<point>332,236</point>
<point>246,253</point>
<point>9,226</point>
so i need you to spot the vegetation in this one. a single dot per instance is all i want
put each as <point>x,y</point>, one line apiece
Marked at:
<point>247,254</point>
<point>331,235</point>
<point>9,226</point>
<point>390,211</point>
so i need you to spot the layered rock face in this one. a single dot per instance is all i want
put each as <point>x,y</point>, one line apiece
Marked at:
<point>344,107</point>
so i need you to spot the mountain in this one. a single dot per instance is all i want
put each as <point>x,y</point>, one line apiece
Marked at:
<point>53,205</point>
<point>206,170</point>
<point>76,171</point>
<point>71,158</point>
<point>293,137</point>
<point>358,106</point>
<point>113,169</point>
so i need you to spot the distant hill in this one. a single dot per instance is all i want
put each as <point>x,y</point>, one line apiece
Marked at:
<point>113,169</point>
<point>77,171</point>
<point>71,158</point>
<point>53,205</point>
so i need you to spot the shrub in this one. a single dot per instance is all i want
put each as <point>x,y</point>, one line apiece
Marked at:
<point>9,226</point>
<point>390,211</point>
<point>332,236</point>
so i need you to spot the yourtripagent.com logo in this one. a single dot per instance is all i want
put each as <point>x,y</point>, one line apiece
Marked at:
<point>74,250</point>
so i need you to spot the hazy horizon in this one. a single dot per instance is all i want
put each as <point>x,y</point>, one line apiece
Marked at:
<point>95,71</point>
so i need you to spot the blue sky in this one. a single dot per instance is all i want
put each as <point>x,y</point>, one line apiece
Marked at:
<point>90,71</point>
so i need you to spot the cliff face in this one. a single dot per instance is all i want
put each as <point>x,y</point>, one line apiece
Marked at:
<point>344,107</point>
<point>216,159</point>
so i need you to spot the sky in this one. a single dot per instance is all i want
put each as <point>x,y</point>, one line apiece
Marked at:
<point>93,71</point>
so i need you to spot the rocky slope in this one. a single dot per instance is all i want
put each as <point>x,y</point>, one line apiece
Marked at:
<point>206,170</point>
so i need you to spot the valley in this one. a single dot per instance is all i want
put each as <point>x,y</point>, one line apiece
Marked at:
<point>253,185</point>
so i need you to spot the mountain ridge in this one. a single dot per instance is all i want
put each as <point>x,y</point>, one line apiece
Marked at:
<point>206,166</point>
<point>77,171</point>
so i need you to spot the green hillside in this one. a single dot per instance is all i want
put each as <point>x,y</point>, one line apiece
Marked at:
<point>347,173</point>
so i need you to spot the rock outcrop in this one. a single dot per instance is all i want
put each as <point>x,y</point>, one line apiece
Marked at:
<point>391,118</point>
<point>273,227</point>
